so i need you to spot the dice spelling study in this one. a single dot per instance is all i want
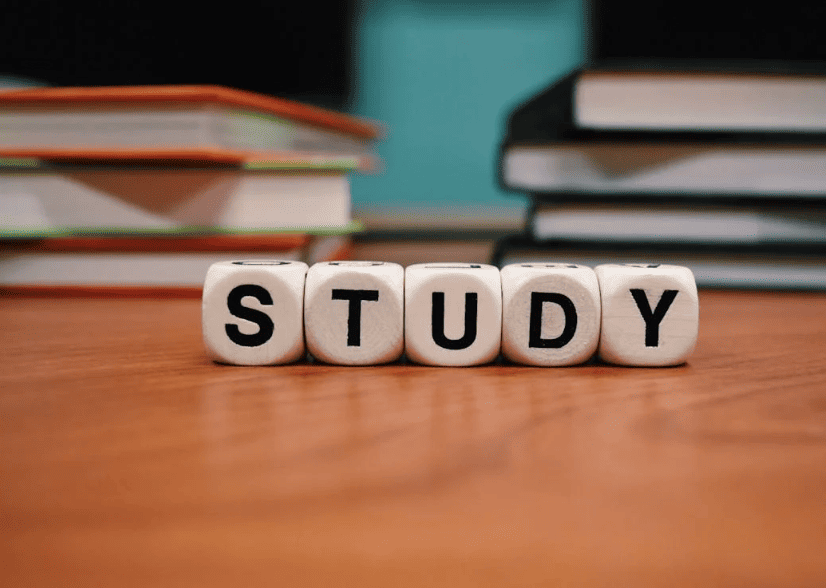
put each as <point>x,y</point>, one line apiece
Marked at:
<point>449,314</point>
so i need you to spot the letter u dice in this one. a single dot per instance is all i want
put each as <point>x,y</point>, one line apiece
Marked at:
<point>453,313</point>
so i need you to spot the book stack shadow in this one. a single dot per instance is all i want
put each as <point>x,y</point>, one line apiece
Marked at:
<point>138,190</point>
<point>721,171</point>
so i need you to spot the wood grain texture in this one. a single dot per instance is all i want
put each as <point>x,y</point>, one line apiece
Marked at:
<point>128,459</point>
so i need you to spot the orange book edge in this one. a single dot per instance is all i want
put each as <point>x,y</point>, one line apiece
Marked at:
<point>71,291</point>
<point>195,95</point>
<point>157,244</point>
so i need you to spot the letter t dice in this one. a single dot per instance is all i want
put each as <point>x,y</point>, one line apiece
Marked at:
<point>650,314</point>
<point>354,312</point>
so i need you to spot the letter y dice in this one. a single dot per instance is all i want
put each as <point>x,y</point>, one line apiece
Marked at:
<point>649,314</point>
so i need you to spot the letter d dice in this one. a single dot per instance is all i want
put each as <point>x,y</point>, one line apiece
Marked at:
<point>550,313</point>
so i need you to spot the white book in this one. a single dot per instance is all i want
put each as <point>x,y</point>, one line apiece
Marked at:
<point>207,126</point>
<point>170,262</point>
<point>673,224</point>
<point>699,170</point>
<point>699,101</point>
<point>119,269</point>
<point>161,121</point>
<point>718,270</point>
<point>95,199</point>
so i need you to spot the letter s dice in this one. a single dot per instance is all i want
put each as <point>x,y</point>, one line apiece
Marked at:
<point>252,312</point>
<point>650,314</point>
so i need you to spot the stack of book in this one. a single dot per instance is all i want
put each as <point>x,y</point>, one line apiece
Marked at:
<point>709,152</point>
<point>142,188</point>
<point>724,173</point>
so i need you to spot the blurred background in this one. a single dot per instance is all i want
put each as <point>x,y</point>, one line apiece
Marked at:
<point>441,75</point>
<point>447,77</point>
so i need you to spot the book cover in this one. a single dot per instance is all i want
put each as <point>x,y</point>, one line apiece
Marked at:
<point>210,123</point>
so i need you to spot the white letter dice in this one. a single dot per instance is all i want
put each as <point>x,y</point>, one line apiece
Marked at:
<point>252,312</point>
<point>354,312</point>
<point>649,314</point>
<point>453,314</point>
<point>550,313</point>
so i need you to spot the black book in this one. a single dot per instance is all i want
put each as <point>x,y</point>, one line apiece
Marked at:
<point>704,66</point>
<point>661,91</point>
<point>715,223</point>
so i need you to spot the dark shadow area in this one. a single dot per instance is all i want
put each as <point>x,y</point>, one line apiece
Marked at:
<point>299,50</point>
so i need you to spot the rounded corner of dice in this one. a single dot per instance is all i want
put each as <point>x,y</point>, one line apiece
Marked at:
<point>449,314</point>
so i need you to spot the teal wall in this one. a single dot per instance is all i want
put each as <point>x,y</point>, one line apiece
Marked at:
<point>443,76</point>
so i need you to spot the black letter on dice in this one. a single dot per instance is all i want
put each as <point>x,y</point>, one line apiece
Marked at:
<point>264,322</point>
<point>354,314</point>
<point>438,322</point>
<point>653,319</point>
<point>535,326</point>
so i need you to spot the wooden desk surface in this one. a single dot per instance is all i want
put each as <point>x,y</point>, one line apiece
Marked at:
<point>127,459</point>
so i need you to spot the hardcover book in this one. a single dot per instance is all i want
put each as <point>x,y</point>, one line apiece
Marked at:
<point>210,123</point>
<point>69,199</point>
<point>135,265</point>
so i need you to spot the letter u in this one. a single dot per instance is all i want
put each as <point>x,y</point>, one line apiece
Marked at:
<point>438,322</point>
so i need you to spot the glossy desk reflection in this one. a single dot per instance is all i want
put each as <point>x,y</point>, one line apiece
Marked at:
<point>129,459</point>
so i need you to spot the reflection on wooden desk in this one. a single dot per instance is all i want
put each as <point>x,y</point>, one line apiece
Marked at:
<point>128,459</point>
